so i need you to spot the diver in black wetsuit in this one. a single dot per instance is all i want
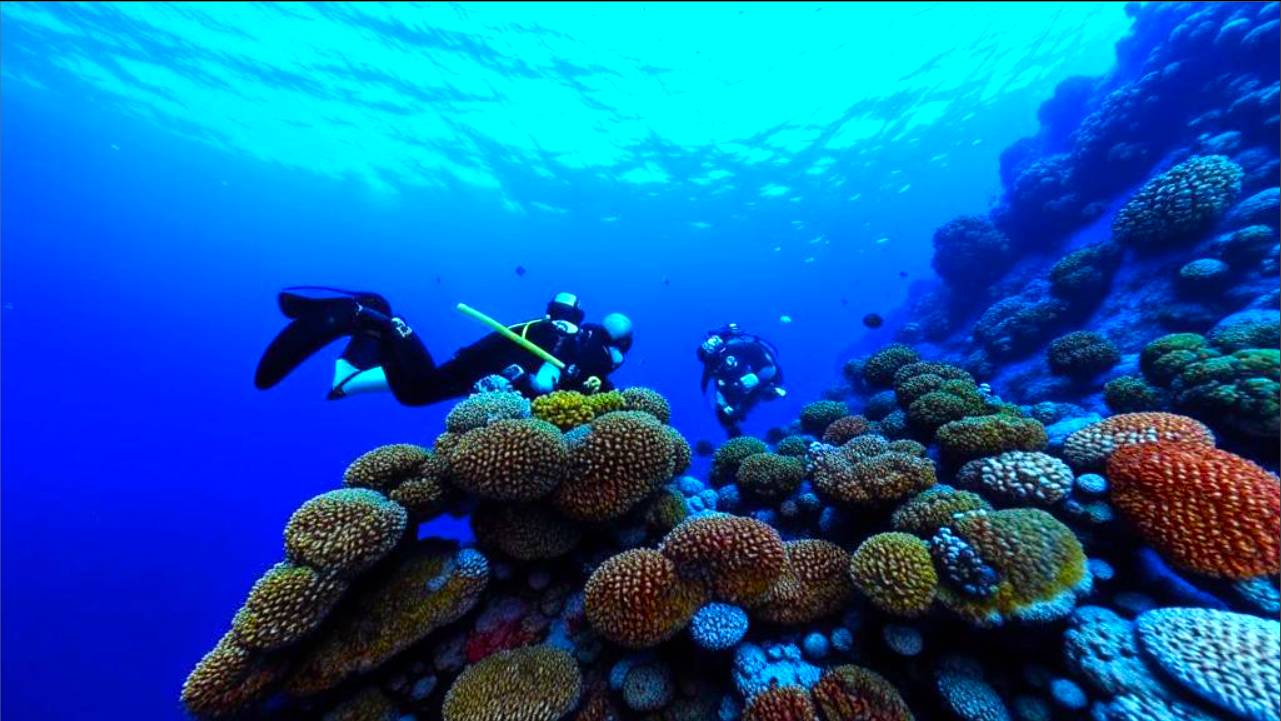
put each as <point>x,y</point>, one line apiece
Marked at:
<point>746,371</point>
<point>384,353</point>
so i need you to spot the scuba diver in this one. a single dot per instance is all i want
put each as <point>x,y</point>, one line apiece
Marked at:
<point>384,353</point>
<point>746,371</point>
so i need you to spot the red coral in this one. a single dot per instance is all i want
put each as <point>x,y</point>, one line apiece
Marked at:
<point>1206,510</point>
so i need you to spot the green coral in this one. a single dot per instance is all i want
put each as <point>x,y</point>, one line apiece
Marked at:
<point>817,416</point>
<point>1085,273</point>
<point>951,401</point>
<point>1081,354</point>
<point>978,436</point>
<point>1179,205</point>
<point>880,368</point>
<point>1164,359</point>
<point>933,508</point>
<point>770,476</point>
<point>1132,394</point>
<point>647,400</point>
<point>729,456</point>
<point>1251,329</point>
<point>1039,562</point>
<point>793,446</point>
<point>1237,391</point>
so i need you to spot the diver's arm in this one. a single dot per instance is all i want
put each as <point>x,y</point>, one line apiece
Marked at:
<point>545,380</point>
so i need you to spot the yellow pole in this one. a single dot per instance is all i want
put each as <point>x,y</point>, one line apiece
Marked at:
<point>507,333</point>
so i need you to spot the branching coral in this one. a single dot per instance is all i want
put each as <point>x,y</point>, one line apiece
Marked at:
<point>229,678</point>
<point>649,401</point>
<point>563,409</point>
<point>856,693</point>
<point>525,532</point>
<point>933,508</point>
<point>978,436</point>
<point>849,477</point>
<point>843,429</point>
<point>432,585</point>
<point>285,605</point>
<point>728,457</point>
<point>481,409</point>
<point>817,416</point>
<point>969,251</point>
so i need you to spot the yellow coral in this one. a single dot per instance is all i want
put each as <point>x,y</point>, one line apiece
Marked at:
<point>537,683</point>
<point>287,603</point>
<point>637,599</point>
<point>563,409</point>
<point>229,678</point>
<point>432,586</point>
<point>345,531</point>
<point>895,571</point>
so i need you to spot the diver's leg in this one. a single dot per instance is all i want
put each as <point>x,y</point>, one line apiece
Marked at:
<point>412,375</point>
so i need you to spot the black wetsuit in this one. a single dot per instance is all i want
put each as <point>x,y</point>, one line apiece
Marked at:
<point>741,354</point>
<point>379,339</point>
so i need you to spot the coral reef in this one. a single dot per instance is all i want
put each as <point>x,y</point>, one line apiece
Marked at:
<point>913,545</point>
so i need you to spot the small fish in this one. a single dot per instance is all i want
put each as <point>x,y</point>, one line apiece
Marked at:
<point>882,241</point>
<point>785,319</point>
<point>702,446</point>
<point>520,270</point>
<point>902,274</point>
<point>667,281</point>
<point>439,280</point>
<point>810,259</point>
<point>845,301</point>
<point>873,320</point>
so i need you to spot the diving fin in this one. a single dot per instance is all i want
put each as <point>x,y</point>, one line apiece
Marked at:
<point>295,304</point>
<point>318,323</point>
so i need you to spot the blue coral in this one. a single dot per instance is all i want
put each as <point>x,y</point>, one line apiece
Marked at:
<point>1228,659</point>
<point>757,668</point>
<point>969,251</point>
<point>718,626</point>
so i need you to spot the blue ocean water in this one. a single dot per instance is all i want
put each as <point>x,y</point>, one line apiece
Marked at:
<point>168,167</point>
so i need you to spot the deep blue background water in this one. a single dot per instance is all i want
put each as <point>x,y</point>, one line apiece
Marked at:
<point>145,480</point>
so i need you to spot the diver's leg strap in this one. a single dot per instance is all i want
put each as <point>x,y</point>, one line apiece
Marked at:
<point>350,380</point>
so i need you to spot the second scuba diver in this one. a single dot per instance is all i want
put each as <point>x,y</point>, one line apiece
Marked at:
<point>745,368</point>
<point>384,353</point>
